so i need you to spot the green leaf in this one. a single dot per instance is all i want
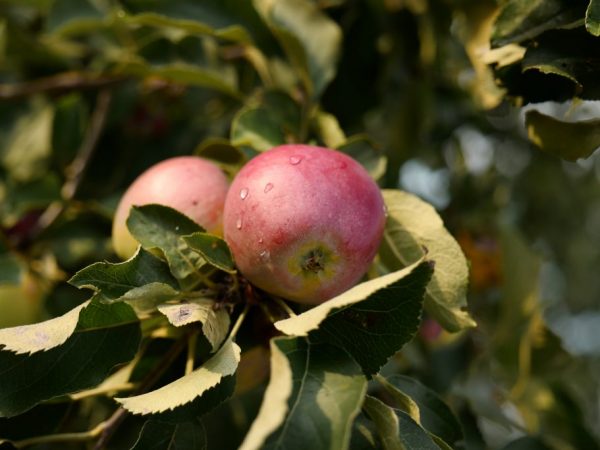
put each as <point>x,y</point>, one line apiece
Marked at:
<point>189,390</point>
<point>329,130</point>
<point>396,429</point>
<point>68,128</point>
<point>11,267</point>
<point>364,436</point>
<point>74,17</point>
<point>26,153</point>
<point>34,194</point>
<point>157,435</point>
<point>310,39</point>
<point>413,225</point>
<point>592,18</point>
<point>222,152</point>
<point>314,394</point>
<point>112,281</point>
<point>402,400</point>
<point>361,149</point>
<point>183,73</point>
<point>215,322</point>
<point>213,249</point>
<point>275,121</point>
<point>520,20</point>
<point>105,336</point>
<point>146,298</point>
<point>567,140</point>
<point>371,321</point>
<point>220,18</point>
<point>235,33</point>
<point>434,415</point>
<point>571,59</point>
<point>527,443</point>
<point>158,226</point>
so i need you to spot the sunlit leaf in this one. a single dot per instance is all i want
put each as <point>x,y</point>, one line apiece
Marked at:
<point>105,336</point>
<point>371,321</point>
<point>314,394</point>
<point>189,388</point>
<point>567,140</point>
<point>525,19</point>
<point>329,130</point>
<point>41,336</point>
<point>592,17</point>
<point>414,227</point>
<point>215,322</point>
<point>396,429</point>
<point>361,149</point>
<point>433,414</point>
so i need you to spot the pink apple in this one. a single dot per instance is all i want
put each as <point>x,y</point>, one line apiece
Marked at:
<point>303,222</point>
<point>192,185</point>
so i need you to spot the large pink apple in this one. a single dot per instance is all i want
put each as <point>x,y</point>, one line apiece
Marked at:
<point>192,185</point>
<point>303,222</point>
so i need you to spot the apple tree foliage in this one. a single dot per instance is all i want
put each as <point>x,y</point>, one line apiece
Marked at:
<point>447,104</point>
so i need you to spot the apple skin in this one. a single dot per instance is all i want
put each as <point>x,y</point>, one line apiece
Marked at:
<point>194,186</point>
<point>303,222</point>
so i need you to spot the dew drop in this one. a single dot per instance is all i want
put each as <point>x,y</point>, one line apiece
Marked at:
<point>268,187</point>
<point>264,255</point>
<point>244,193</point>
<point>238,224</point>
<point>177,228</point>
<point>260,240</point>
<point>295,160</point>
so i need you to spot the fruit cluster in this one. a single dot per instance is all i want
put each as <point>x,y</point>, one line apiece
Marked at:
<point>302,222</point>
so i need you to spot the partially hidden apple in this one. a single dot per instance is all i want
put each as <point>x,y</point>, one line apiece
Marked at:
<point>303,222</point>
<point>20,303</point>
<point>194,186</point>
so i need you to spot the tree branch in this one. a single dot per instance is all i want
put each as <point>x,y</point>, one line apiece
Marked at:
<point>62,82</point>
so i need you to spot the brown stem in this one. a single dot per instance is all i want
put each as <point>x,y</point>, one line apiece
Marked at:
<point>114,421</point>
<point>76,169</point>
<point>62,82</point>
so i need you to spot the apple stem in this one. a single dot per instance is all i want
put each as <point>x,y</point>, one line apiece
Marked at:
<point>191,352</point>
<point>239,322</point>
<point>283,305</point>
<point>267,312</point>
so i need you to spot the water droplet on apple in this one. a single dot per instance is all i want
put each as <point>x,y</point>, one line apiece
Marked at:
<point>244,193</point>
<point>260,240</point>
<point>268,187</point>
<point>295,160</point>
<point>264,255</point>
<point>238,223</point>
